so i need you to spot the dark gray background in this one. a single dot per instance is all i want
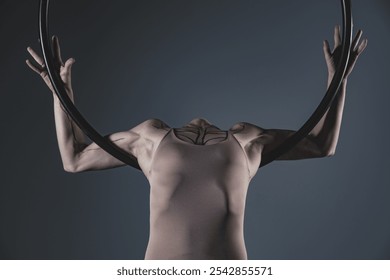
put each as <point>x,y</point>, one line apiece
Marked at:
<point>227,61</point>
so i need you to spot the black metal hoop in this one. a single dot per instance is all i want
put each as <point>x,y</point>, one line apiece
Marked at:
<point>331,93</point>
<point>129,159</point>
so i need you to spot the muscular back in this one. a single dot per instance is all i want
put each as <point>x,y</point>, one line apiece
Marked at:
<point>197,196</point>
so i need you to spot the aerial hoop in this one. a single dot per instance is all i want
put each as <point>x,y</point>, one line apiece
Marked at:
<point>331,93</point>
<point>129,159</point>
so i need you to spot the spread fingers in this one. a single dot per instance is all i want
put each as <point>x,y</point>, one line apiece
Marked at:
<point>36,57</point>
<point>33,67</point>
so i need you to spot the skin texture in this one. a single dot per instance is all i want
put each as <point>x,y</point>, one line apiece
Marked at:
<point>198,174</point>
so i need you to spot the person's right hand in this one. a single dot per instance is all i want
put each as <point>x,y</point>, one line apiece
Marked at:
<point>64,69</point>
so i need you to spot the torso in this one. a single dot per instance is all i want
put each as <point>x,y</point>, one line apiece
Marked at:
<point>197,197</point>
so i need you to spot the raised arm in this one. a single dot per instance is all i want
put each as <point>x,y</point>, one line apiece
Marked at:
<point>322,140</point>
<point>76,154</point>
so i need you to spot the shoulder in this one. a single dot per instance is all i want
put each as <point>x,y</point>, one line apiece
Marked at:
<point>251,136</point>
<point>244,127</point>
<point>143,139</point>
<point>247,132</point>
<point>147,135</point>
<point>150,129</point>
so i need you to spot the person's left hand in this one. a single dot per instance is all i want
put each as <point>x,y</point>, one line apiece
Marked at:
<point>333,57</point>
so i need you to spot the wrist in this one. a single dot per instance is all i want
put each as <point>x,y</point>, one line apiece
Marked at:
<point>69,92</point>
<point>330,78</point>
<point>58,104</point>
<point>56,99</point>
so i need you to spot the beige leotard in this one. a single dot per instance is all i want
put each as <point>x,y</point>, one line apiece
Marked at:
<point>197,199</point>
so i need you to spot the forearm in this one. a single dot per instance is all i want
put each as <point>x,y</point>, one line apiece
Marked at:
<point>326,132</point>
<point>71,140</point>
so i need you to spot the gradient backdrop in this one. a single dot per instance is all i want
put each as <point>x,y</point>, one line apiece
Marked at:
<point>258,61</point>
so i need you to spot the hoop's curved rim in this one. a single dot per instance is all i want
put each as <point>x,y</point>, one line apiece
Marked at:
<point>68,105</point>
<point>331,93</point>
<point>129,159</point>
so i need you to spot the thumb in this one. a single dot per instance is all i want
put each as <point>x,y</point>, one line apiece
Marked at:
<point>68,64</point>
